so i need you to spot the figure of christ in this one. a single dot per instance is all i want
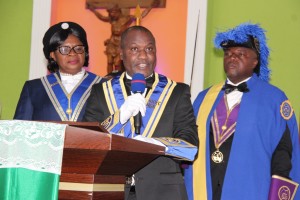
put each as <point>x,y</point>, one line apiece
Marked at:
<point>120,19</point>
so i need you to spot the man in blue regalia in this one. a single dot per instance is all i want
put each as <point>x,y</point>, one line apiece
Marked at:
<point>249,142</point>
<point>166,112</point>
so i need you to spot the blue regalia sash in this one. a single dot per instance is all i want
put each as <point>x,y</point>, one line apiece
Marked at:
<point>199,166</point>
<point>69,105</point>
<point>157,98</point>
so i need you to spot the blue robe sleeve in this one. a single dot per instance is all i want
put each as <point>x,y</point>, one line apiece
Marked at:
<point>24,108</point>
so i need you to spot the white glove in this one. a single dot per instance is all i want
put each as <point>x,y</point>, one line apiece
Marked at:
<point>134,104</point>
<point>149,140</point>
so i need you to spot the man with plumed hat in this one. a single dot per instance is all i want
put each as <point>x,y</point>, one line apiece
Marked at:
<point>249,142</point>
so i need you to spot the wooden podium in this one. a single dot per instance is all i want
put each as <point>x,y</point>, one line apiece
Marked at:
<point>95,164</point>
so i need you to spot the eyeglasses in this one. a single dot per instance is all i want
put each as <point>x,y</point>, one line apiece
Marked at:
<point>66,50</point>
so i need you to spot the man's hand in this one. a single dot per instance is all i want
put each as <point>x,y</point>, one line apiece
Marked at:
<point>132,106</point>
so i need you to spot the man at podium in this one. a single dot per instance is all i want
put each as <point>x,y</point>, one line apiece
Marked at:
<point>165,111</point>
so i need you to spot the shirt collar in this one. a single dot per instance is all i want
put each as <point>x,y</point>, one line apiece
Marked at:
<point>235,84</point>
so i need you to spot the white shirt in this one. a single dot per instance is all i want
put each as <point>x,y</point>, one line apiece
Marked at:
<point>70,81</point>
<point>235,96</point>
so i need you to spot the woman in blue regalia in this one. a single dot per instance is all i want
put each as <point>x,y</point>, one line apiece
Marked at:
<point>61,95</point>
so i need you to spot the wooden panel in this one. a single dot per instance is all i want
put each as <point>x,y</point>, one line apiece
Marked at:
<point>95,185</point>
<point>92,152</point>
<point>96,126</point>
<point>77,178</point>
<point>79,138</point>
<point>95,164</point>
<point>108,195</point>
<point>90,178</point>
<point>82,161</point>
<point>77,195</point>
<point>110,179</point>
<point>123,163</point>
<point>67,195</point>
<point>124,4</point>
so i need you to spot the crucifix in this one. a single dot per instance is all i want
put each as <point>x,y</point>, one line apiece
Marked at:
<point>120,19</point>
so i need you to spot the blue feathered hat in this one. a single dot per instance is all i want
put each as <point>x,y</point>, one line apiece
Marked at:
<point>250,36</point>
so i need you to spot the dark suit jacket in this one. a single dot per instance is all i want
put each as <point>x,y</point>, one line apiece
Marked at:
<point>161,179</point>
<point>35,104</point>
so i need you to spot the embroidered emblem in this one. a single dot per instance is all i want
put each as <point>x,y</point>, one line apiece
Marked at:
<point>286,110</point>
<point>284,193</point>
<point>107,122</point>
<point>173,140</point>
<point>53,84</point>
<point>152,103</point>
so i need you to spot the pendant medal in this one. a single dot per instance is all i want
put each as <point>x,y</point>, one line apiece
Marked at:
<point>224,127</point>
<point>217,156</point>
<point>69,111</point>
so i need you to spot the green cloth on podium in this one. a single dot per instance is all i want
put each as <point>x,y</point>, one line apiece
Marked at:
<point>30,159</point>
<point>25,184</point>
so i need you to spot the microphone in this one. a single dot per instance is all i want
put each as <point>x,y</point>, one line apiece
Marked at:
<point>138,85</point>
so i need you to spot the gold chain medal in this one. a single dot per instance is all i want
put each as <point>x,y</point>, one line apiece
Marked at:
<point>223,132</point>
<point>69,110</point>
<point>217,156</point>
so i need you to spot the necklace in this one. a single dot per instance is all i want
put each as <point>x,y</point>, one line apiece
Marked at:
<point>223,125</point>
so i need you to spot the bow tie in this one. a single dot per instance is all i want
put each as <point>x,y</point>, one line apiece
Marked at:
<point>241,87</point>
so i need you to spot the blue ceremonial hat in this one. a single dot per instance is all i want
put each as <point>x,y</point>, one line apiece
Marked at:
<point>250,36</point>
